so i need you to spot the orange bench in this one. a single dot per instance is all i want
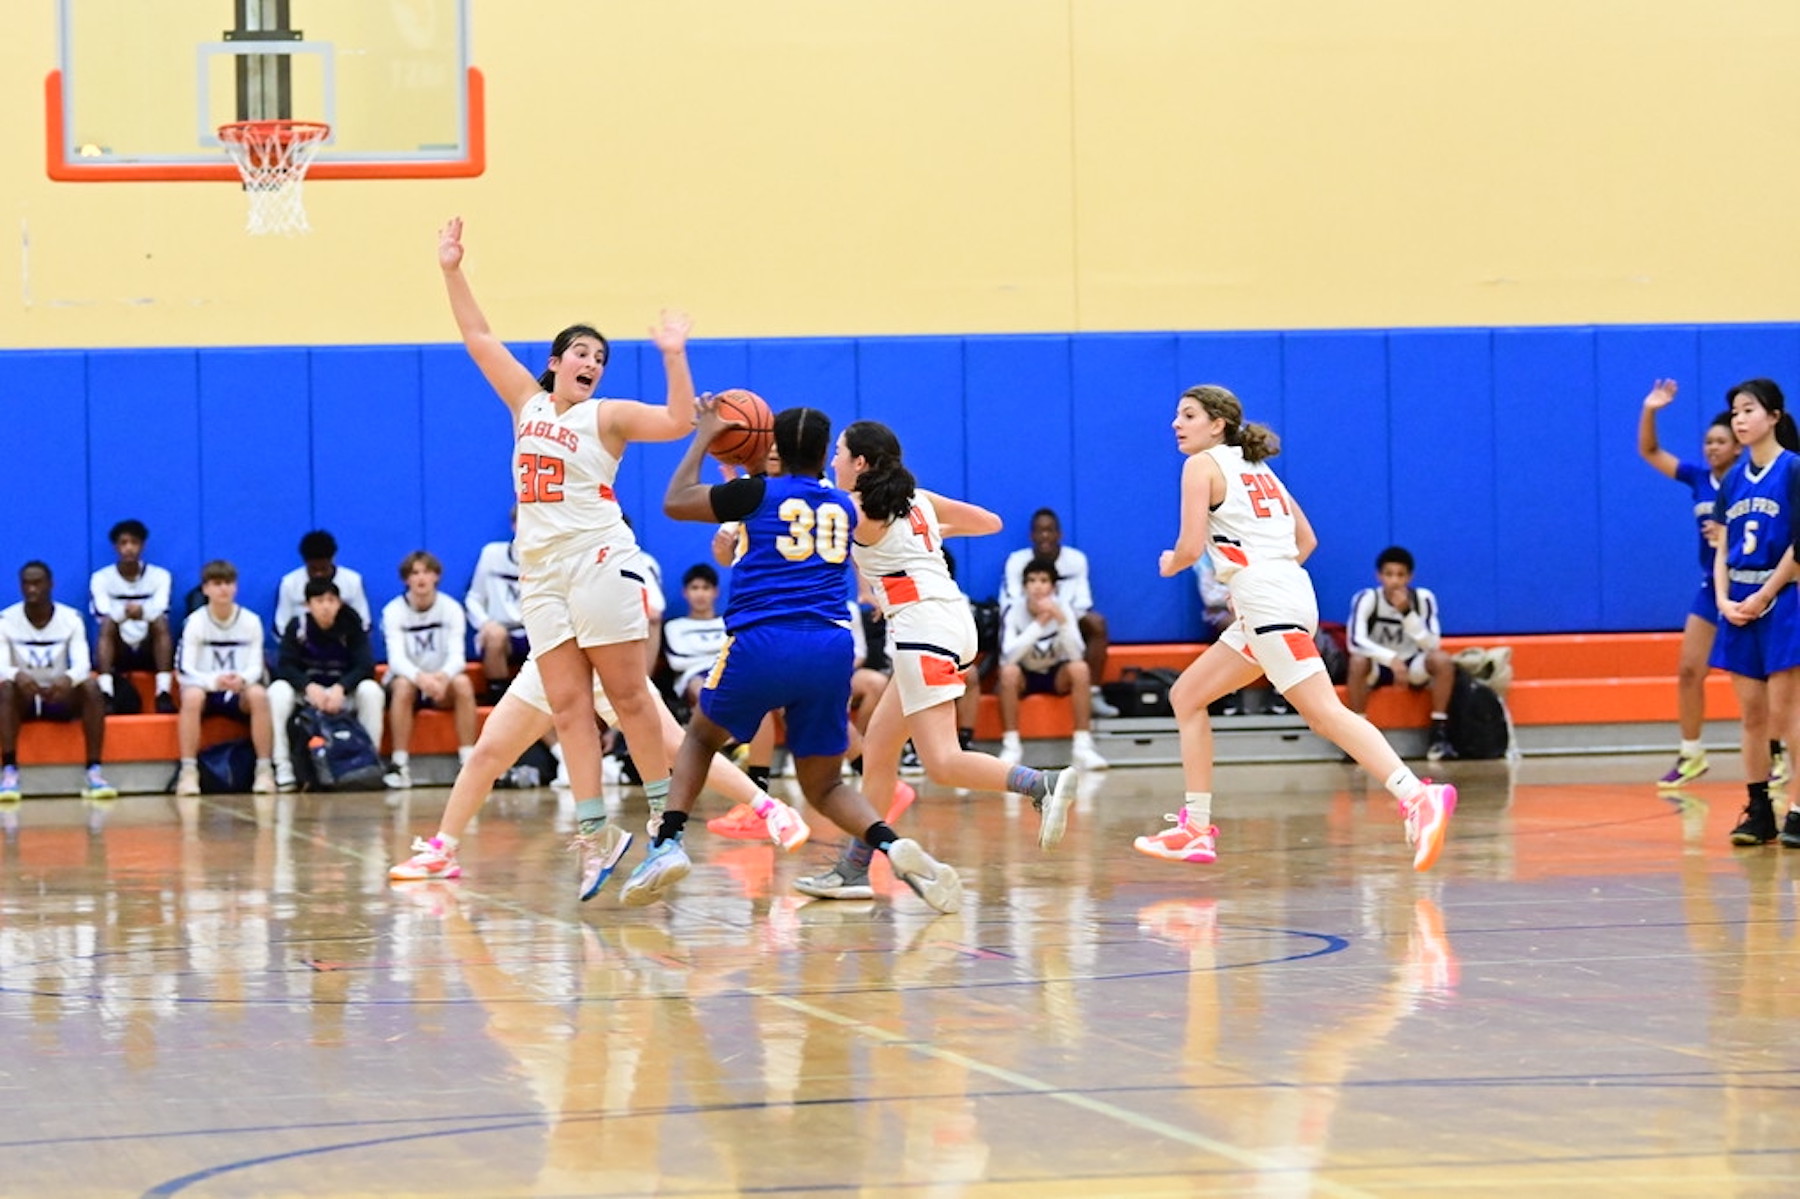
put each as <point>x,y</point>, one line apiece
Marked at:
<point>151,737</point>
<point>1558,678</point>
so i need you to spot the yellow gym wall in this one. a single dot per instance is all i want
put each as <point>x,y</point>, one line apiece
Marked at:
<point>798,167</point>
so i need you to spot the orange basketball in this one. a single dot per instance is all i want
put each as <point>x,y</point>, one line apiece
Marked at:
<point>750,445</point>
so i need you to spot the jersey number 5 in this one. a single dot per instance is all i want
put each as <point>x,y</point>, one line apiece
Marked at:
<point>540,479</point>
<point>1749,537</point>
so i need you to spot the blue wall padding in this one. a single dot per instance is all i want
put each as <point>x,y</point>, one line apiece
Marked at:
<point>1505,459</point>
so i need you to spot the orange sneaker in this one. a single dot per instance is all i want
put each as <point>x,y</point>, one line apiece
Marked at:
<point>904,794</point>
<point>740,824</point>
<point>1427,822</point>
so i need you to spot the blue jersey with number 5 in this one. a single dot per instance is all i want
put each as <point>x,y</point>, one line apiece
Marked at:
<point>1757,506</point>
<point>795,562</point>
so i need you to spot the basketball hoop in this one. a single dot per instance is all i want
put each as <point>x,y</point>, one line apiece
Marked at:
<point>272,157</point>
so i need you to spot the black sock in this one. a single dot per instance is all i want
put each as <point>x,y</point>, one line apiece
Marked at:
<point>1439,730</point>
<point>9,759</point>
<point>1759,792</point>
<point>965,737</point>
<point>880,836</point>
<point>856,764</point>
<point>760,776</point>
<point>1774,748</point>
<point>670,828</point>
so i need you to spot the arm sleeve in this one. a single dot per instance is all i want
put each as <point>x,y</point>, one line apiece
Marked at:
<point>100,603</point>
<point>357,598</point>
<point>1422,621</point>
<point>81,662</point>
<point>1362,611</point>
<point>1068,637</point>
<point>285,607</point>
<point>1011,584</point>
<point>158,603</point>
<point>476,600</point>
<point>188,662</point>
<point>399,661</point>
<point>1019,633</point>
<point>362,660</point>
<point>1080,595</point>
<point>456,626</point>
<point>257,671</point>
<point>739,498</point>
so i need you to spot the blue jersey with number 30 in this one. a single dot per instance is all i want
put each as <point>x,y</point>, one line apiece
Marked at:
<point>1757,506</point>
<point>796,555</point>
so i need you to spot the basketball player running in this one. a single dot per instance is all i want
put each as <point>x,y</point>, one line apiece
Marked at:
<point>583,588</point>
<point>1719,451</point>
<point>1258,536</point>
<point>1758,640</point>
<point>897,545</point>
<point>789,647</point>
<point>523,716</point>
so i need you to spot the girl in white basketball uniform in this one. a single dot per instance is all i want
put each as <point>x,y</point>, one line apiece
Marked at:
<point>898,546</point>
<point>1234,507</point>
<point>582,583</point>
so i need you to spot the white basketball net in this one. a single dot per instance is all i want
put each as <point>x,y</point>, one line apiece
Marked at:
<point>272,156</point>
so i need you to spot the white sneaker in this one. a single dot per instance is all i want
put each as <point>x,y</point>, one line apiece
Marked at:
<point>284,777</point>
<point>1098,705</point>
<point>399,778</point>
<point>1010,754</point>
<point>931,880</point>
<point>1053,815</point>
<point>1084,757</point>
<point>188,783</point>
<point>264,783</point>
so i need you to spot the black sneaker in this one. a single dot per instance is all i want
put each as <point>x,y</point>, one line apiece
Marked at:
<point>1441,750</point>
<point>909,761</point>
<point>1790,829</point>
<point>1758,825</point>
<point>165,704</point>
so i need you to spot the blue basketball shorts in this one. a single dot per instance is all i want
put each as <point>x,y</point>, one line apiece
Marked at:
<point>1705,606</point>
<point>1765,646</point>
<point>802,668</point>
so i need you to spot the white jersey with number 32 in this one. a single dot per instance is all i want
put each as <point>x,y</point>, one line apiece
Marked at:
<point>563,476</point>
<point>1254,523</point>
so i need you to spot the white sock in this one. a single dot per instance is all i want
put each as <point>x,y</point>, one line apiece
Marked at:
<point>163,679</point>
<point>1404,785</point>
<point>106,684</point>
<point>1692,749</point>
<point>448,842</point>
<point>464,753</point>
<point>1199,809</point>
<point>1010,740</point>
<point>190,763</point>
<point>1083,739</point>
<point>400,758</point>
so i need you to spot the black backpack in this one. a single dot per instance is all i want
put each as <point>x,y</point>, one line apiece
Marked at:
<point>332,752</point>
<point>1477,719</point>
<point>228,768</point>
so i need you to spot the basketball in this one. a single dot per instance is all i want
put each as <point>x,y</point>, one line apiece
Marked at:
<point>750,445</point>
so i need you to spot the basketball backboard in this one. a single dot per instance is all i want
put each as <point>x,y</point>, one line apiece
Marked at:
<point>144,85</point>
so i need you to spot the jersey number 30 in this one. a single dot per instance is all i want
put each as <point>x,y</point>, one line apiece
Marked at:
<point>824,531</point>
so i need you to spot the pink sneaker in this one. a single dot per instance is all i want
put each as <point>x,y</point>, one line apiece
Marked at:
<point>784,825</point>
<point>1427,821</point>
<point>740,824</point>
<point>431,859</point>
<point>1182,842</point>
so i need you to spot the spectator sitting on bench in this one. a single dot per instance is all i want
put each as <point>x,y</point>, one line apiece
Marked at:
<point>493,612</point>
<point>131,603</point>
<point>1041,654</point>
<point>425,630</point>
<point>1072,587</point>
<point>1394,637</point>
<point>318,551</point>
<point>325,660</point>
<point>45,675</point>
<point>222,675</point>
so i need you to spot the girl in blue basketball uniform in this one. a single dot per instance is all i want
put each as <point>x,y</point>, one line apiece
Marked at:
<point>1758,642</point>
<point>788,646</point>
<point>1719,451</point>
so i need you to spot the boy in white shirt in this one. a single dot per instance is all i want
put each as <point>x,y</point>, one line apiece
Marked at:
<point>130,601</point>
<point>424,629</point>
<point>45,675</point>
<point>318,552</point>
<point>1042,653</point>
<point>222,675</point>
<point>493,604</point>
<point>692,642</point>
<point>1395,638</point>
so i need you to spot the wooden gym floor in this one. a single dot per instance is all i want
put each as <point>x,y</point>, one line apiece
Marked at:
<point>1593,994</point>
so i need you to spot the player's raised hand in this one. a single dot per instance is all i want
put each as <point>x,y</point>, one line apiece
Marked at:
<point>670,332</point>
<point>1661,394</point>
<point>450,247</point>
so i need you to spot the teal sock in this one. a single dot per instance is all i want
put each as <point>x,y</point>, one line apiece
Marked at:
<point>658,795</point>
<point>590,814</point>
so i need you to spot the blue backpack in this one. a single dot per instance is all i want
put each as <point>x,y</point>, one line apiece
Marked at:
<point>332,752</point>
